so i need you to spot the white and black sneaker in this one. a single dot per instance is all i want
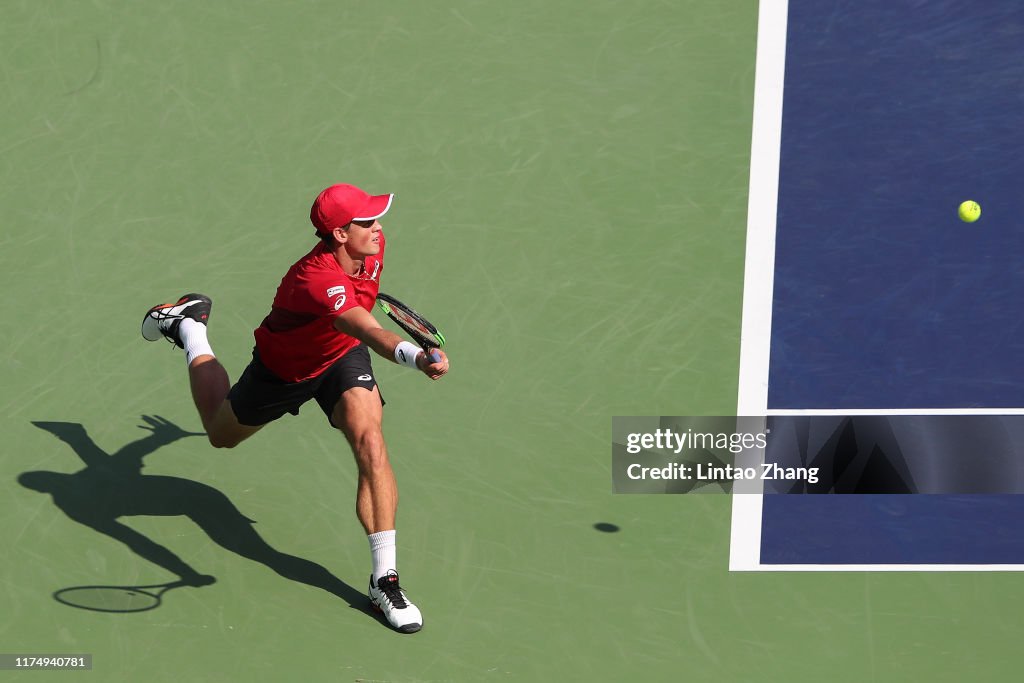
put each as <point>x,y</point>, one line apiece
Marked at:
<point>164,320</point>
<point>388,597</point>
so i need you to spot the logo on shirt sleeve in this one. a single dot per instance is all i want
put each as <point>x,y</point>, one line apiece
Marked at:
<point>339,292</point>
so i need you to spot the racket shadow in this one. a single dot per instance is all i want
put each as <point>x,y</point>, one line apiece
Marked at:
<point>112,486</point>
<point>115,598</point>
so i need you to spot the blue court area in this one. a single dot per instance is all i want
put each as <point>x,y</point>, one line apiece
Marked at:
<point>894,113</point>
<point>892,529</point>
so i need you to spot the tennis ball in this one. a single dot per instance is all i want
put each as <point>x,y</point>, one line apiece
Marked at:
<point>970,211</point>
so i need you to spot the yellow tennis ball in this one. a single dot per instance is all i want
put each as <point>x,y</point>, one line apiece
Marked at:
<point>970,211</point>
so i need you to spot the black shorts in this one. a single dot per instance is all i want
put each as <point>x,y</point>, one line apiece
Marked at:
<point>260,396</point>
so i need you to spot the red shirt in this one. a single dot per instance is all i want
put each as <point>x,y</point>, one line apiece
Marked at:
<point>298,340</point>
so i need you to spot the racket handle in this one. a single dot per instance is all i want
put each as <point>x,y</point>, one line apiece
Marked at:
<point>435,356</point>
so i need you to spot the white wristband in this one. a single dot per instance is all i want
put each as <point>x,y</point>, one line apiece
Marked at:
<point>405,354</point>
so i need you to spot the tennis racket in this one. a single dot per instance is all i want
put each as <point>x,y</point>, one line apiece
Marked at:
<point>115,598</point>
<point>415,325</point>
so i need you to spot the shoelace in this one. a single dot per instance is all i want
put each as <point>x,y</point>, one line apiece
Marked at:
<point>160,315</point>
<point>393,592</point>
<point>163,315</point>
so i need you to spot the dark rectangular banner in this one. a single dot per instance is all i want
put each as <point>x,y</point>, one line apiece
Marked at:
<point>944,454</point>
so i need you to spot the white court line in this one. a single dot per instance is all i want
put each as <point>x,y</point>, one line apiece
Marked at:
<point>759,267</point>
<point>758,283</point>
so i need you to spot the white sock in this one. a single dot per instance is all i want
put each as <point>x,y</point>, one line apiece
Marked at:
<point>193,336</point>
<point>383,550</point>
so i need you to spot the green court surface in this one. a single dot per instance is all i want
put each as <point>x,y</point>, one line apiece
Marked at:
<point>571,184</point>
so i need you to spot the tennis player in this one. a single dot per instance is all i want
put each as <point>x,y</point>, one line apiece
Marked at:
<point>313,345</point>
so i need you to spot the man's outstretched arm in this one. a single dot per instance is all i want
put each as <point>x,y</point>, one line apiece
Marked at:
<point>359,323</point>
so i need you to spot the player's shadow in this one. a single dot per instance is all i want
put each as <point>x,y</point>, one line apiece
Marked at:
<point>112,486</point>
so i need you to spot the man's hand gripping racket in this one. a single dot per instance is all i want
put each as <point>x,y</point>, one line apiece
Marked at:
<point>421,331</point>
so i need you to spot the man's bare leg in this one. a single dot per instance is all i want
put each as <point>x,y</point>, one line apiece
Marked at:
<point>210,384</point>
<point>184,323</point>
<point>358,415</point>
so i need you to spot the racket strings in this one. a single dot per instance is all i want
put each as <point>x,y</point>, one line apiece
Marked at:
<point>413,322</point>
<point>421,331</point>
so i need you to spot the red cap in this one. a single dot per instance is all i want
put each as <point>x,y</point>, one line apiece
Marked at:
<point>339,205</point>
